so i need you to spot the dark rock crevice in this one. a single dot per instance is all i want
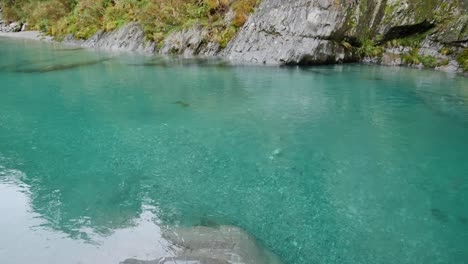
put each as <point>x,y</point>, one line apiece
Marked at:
<point>407,30</point>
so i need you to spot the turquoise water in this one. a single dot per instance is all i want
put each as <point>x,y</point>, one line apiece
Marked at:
<point>335,164</point>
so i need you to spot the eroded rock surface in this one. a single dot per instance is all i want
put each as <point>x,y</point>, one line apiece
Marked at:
<point>290,32</point>
<point>333,31</point>
<point>213,245</point>
<point>190,42</point>
<point>130,37</point>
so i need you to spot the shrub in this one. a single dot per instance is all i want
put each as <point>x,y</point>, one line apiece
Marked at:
<point>242,9</point>
<point>368,49</point>
<point>83,21</point>
<point>158,17</point>
<point>463,60</point>
<point>43,15</point>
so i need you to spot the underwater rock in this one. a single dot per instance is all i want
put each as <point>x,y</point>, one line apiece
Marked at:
<point>182,103</point>
<point>213,245</point>
<point>463,220</point>
<point>439,215</point>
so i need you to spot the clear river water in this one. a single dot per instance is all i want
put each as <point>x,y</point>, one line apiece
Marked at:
<point>332,164</point>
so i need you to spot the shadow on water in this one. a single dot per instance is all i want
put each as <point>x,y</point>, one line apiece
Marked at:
<point>317,70</point>
<point>22,64</point>
<point>448,97</point>
<point>60,67</point>
<point>373,78</point>
<point>175,62</point>
<point>68,49</point>
<point>463,220</point>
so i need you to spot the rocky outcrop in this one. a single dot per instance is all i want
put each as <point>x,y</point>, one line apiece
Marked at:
<point>6,26</point>
<point>334,31</point>
<point>190,42</point>
<point>130,37</point>
<point>290,32</point>
<point>209,245</point>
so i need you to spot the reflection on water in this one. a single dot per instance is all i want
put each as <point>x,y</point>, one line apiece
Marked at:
<point>57,67</point>
<point>342,164</point>
<point>27,236</point>
<point>179,61</point>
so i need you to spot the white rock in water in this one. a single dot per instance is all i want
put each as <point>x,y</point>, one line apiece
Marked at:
<point>276,152</point>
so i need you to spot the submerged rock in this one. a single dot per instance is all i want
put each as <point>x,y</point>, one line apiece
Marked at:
<point>213,245</point>
<point>182,103</point>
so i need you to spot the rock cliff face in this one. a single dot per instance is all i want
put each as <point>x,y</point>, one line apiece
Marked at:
<point>330,31</point>
<point>291,32</point>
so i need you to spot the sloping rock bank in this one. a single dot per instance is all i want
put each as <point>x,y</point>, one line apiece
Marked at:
<point>207,245</point>
<point>130,37</point>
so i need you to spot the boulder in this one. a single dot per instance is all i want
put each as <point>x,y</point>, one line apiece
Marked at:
<point>212,245</point>
<point>190,42</point>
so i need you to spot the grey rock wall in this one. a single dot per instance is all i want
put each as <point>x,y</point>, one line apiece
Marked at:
<point>190,42</point>
<point>130,37</point>
<point>290,32</point>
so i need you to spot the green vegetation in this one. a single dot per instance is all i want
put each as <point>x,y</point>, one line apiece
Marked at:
<point>369,49</point>
<point>413,41</point>
<point>414,58</point>
<point>83,18</point>
<point>463,60</point>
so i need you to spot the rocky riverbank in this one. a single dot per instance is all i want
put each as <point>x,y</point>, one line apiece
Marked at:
<point>416,33</point>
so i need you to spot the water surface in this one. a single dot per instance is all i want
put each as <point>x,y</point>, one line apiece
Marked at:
<point>336,164</point>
